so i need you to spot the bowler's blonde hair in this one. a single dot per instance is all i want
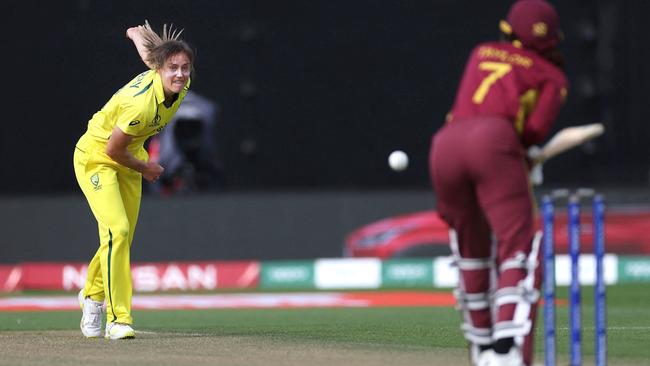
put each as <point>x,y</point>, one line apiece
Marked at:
<point>161,47</point>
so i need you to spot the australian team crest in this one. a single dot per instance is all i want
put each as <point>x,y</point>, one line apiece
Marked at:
<point>94,179</point>
<point>155,122</point>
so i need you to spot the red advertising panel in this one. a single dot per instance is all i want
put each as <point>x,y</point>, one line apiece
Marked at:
<point>10,276</point>
<point>147,277</point>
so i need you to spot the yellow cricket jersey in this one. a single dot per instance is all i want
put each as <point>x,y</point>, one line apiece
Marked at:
<point>137,109</point>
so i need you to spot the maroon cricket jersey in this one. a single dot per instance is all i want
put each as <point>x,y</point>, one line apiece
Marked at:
<point>501,80</point>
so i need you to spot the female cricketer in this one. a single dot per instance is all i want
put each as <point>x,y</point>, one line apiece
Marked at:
<point>508,98</point>
<point>109,163</point>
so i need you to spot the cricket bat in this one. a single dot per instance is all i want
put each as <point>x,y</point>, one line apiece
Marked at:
<point>568,138</point>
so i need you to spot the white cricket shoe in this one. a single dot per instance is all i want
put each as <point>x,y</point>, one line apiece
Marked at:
<point>512,358</point>
<point>91,318</point>
<point>119,331</point>
<point>485,358</point>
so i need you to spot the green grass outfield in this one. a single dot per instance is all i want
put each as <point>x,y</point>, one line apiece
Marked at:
<point>428,331</point>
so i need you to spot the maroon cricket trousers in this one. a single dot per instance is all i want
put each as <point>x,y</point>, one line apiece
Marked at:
<point>480,178</point>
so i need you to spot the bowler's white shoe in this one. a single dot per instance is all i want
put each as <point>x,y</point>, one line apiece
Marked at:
<point>91,318</point>
<point>512,358</point>
<point>119,331</point>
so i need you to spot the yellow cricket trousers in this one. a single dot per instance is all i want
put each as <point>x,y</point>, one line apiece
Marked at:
<point>113,193</point>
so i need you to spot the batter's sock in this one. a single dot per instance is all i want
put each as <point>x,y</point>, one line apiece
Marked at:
<point>502,346</point>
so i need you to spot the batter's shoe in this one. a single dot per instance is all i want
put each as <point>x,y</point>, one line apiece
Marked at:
<point>512,358</point>
<point>119,331</point>
<point>485,358</point>
<point>91,316</point>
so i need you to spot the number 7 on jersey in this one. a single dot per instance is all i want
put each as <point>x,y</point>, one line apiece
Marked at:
<point>497,71</point>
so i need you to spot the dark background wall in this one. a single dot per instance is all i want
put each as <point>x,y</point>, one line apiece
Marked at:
<point>313,97</point>
<point>225,226</point>
<point>314,94</point>
<point>208,227</point>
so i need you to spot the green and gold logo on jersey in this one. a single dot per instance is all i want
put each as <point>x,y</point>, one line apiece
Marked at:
<point>94,179</point>
<point>155,122</point>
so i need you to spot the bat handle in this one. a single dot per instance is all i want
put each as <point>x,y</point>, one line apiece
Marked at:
<point>536,155</point>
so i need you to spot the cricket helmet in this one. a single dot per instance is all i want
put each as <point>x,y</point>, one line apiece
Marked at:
<point>534,23</point>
